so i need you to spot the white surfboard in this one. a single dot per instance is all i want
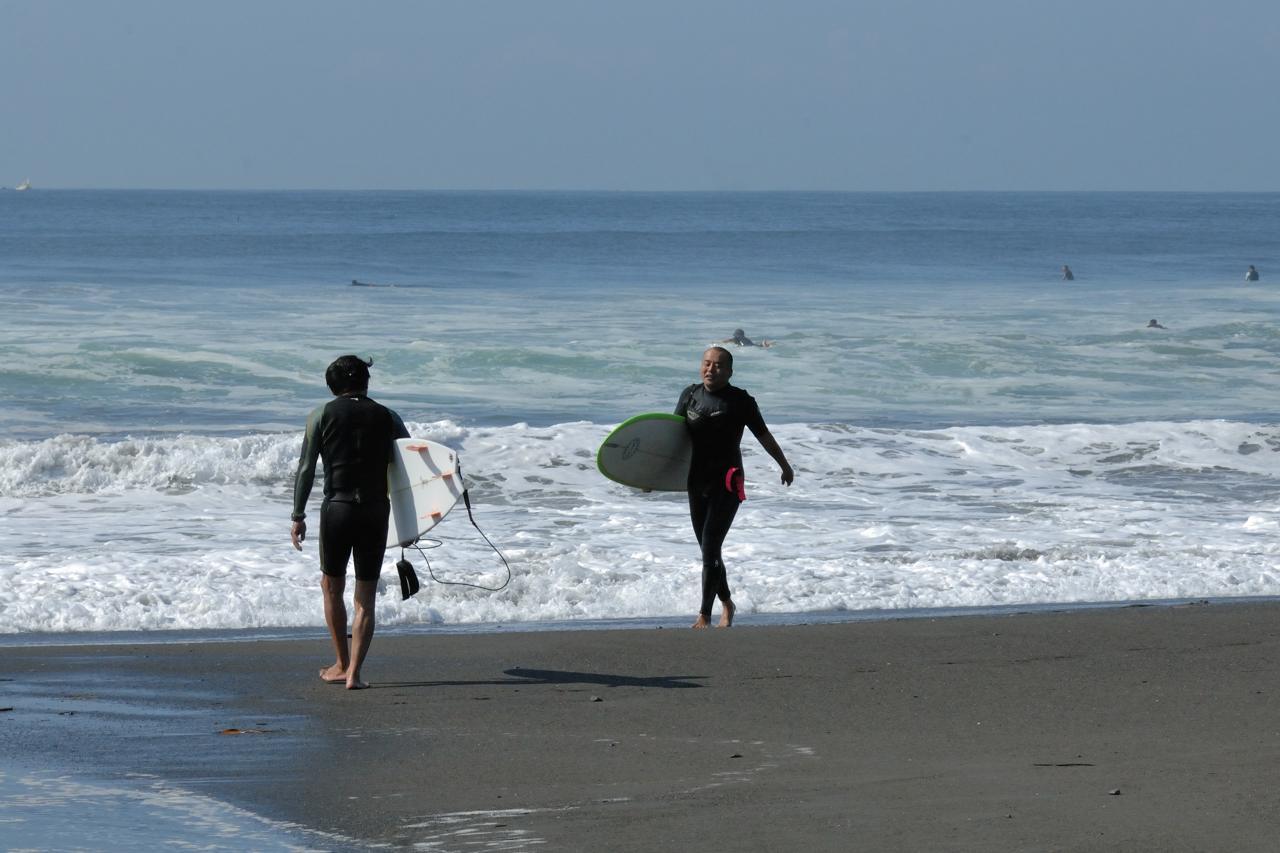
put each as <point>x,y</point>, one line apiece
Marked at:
<point>424,484</point>
<point>651,452</point>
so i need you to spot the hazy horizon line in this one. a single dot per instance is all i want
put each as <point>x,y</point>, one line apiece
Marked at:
<point>637,191</point>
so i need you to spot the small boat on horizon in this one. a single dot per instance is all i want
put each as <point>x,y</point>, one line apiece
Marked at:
<point>24,186</point>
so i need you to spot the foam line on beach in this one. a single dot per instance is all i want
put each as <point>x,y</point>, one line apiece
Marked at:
<point>185,533</point>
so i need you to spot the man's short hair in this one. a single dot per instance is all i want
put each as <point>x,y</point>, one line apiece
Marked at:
<point>348,373</point>
<point>728,354</point>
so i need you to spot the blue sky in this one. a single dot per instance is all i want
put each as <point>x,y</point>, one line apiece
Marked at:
<point>653,95</point>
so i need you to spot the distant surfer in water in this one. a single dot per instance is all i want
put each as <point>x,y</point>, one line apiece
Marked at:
<point>716,413</point>
<point>1155,324</point>
<point>1251,274</point>
<point>1067,274</point>
<point>740,339</point>
<point>354,436</point>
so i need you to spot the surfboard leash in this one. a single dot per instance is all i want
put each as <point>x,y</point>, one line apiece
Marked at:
<point>436,543</point>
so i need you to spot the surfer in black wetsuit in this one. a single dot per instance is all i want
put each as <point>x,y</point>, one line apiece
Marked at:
<point>740,339</point>
<point>354,436</point>
<point>716,413</point>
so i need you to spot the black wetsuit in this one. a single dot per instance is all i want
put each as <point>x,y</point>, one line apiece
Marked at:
<point>353,435</point>
<point>715,421</point>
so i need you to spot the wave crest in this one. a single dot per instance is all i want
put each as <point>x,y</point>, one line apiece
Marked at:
<point>80,464</point>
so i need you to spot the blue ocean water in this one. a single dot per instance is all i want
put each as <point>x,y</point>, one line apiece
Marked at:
<point>967,428</point>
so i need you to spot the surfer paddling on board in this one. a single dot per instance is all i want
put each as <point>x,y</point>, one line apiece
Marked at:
<point>354,436</point>
<point>715,414</point>
<point>740,339</point>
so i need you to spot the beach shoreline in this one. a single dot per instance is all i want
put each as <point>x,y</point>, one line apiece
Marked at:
<point>744,619</point>
<point>1120,728</point>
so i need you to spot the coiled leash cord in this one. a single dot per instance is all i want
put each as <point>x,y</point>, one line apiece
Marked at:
<point>409,580</point>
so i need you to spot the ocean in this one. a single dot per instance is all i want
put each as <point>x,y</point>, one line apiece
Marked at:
<point>967,429</point>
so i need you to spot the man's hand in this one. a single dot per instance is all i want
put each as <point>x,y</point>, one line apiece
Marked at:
<point>787,475</point>
<point>297,533</point>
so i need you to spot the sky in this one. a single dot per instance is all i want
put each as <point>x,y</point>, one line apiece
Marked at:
<point>914,95</point>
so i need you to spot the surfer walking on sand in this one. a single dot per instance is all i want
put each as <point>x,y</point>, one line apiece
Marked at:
<point>354,437</point>
<point>715,414</point>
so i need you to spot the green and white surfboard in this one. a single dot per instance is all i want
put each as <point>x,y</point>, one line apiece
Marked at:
<point>650,452</point>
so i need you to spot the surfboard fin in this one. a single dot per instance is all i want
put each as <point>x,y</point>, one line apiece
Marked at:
<point>408,579</point>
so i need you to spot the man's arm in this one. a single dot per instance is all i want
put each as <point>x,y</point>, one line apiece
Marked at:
<point>770,445</point>
<point>305,478</point>
<point>398,427</point>
<point>755,422</point>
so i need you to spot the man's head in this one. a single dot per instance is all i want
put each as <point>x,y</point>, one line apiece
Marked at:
<point>717,367</point>
<point>348,374</point>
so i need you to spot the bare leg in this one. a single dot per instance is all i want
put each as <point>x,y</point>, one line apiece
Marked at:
<point>335,616</point>
<point>361,631</point>
<point>726,613</point>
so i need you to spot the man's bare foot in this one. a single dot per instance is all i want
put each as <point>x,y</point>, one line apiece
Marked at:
<point>702,622</point>
<point>726,615</point>
<point>356,684</point>
<point>333,674</point>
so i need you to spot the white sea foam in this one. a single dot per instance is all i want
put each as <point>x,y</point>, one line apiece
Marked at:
<point>191,532</point>
<point>48,810</point>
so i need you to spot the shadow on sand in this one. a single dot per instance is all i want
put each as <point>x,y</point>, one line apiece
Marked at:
<point>521,677</point>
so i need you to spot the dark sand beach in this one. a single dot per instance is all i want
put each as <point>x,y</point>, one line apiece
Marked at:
<point>1133,728</point>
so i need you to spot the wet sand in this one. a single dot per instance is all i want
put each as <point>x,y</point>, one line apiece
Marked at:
<point>1135,729</point>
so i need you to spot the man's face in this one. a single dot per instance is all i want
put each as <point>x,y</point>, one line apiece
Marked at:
<point>715,369</point>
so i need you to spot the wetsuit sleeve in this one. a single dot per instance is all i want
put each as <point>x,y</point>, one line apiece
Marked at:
<point>682,405</point>
<point>306,474</point>
<point>752,418</point>
<point>398,429</point>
